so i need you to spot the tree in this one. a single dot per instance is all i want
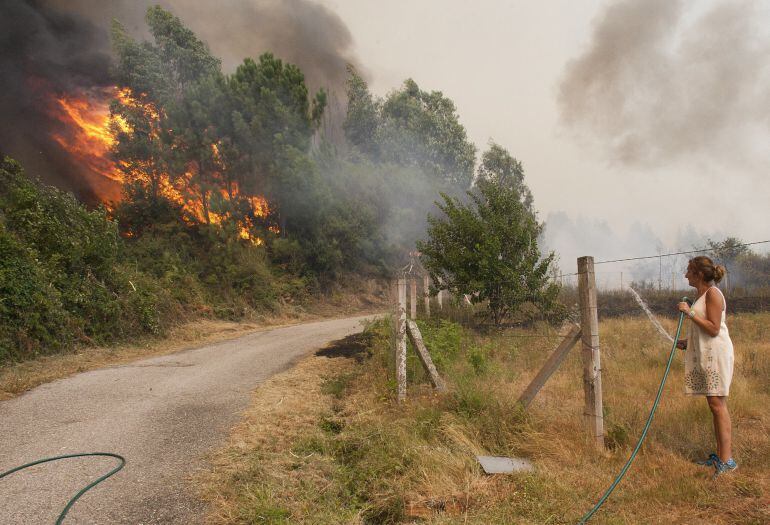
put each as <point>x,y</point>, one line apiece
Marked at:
<point>362,120</point>
<point>729,249</point>
<point>487,249</point>
<point>411,127</point>
<point>423,128</point>
<point>273,119</point>
<point>186,130</point>
<point>175,93</point>
<point>499,167</point>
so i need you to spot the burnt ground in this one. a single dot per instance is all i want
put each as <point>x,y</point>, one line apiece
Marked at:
<point>356,346</point>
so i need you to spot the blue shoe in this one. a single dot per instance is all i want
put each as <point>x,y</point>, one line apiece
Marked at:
<point>710,462</point>
<point>722,468</point>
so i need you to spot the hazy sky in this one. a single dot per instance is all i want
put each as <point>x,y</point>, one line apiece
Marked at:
<point>651,115</point>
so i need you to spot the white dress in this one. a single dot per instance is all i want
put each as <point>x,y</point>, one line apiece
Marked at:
<point>708,364</point>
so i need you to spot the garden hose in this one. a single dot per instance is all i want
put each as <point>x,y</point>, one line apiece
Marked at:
<point>83,490</point>
<point>606,495</point>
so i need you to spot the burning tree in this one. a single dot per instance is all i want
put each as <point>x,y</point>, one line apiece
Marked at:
<point>207,142</point>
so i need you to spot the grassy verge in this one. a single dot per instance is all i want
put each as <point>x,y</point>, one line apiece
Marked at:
<point>338,449</point>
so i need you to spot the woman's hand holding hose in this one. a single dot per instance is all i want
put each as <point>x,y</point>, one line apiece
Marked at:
<point>685,308</point>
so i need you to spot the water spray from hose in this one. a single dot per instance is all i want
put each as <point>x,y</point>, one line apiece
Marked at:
<point>653,319</point>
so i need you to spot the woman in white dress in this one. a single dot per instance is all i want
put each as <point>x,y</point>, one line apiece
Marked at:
<point>709,357</point>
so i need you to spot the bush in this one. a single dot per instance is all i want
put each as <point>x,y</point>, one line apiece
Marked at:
<point>31,312</point>
<point>67,277</point>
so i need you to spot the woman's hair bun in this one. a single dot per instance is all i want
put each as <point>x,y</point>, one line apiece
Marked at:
<point>719,272</point>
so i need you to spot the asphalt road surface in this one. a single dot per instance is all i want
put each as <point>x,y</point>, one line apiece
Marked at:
<point>162,414</point>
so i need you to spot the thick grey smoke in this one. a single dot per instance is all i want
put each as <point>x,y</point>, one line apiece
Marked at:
<point>62,47</point>
<point>660,82</point>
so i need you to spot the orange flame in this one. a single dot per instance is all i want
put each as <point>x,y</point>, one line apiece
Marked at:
<point>85,136</point>
<point>88,137</point>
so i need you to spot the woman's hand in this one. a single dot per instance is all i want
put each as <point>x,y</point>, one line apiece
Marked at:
<point>682,344</point>
<point>684,308</point>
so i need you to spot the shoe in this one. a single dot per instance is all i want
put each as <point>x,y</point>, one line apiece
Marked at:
<point>722,468</point>
<point>708,462</point>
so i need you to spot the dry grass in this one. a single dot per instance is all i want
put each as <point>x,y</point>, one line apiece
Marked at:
<point>266,472</point>
<point>364,459</point>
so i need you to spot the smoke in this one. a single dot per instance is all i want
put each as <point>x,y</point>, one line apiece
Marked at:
<point>660,82</point>
<point>576,237</point>
<point>56,47</point>
<point>298,31</point>
<point>45,51</point>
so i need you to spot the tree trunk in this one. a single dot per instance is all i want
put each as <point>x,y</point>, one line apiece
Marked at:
<point>205,206</point>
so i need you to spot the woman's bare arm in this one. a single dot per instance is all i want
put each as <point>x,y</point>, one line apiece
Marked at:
<point>713,319</point>
<point>714,306</point>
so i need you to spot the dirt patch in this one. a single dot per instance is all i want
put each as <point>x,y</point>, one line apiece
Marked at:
<point>356,346</point>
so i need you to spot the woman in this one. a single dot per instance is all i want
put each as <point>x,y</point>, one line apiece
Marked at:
<point>709,356</point>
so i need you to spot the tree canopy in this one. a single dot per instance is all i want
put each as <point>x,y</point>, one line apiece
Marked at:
<point>411,127</point>
<point>487,249</point>
<point>187,131</point>
<point>499,167</point>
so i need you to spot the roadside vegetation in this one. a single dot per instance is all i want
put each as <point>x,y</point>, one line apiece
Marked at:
<point>234,204</point>
<point>353,455</point>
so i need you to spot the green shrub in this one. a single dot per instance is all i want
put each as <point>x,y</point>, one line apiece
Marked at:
<point>63,278</point>
<point>477,358</point>
<point>443,338</point>
<point>32,316</point>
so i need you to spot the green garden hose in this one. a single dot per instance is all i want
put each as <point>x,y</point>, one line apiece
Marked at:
<point>82,491</point>
<point>646,426</point>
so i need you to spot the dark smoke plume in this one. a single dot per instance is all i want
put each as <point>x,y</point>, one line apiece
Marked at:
<point>298,31</point>
<point>43,52</point>
<point>660,83</point>
<point>62,46</point>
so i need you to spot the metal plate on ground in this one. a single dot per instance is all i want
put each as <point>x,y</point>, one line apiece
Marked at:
<point>502,465</point>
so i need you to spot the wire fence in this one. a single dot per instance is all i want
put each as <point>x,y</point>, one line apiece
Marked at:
<point>748,273</point>
<point>660,285</point>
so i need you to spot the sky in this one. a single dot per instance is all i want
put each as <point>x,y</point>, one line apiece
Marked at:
<point>631,138</point>
<point>643,125</point>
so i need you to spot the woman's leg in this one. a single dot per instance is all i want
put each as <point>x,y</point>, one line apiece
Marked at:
<point>722,426</point>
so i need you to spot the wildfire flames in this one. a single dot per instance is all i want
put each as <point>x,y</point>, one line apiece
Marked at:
<point>87,136</point>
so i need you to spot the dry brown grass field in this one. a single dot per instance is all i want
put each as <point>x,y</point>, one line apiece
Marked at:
<point>326,443</point>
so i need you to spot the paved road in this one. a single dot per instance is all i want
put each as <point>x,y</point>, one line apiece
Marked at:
<point>162,414</point>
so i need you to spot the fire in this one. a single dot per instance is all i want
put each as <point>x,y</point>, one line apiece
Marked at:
<point>87,135</point>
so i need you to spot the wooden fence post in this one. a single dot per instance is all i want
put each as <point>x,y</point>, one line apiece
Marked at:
<point>424,355</point>
<point>439,296</point>
<point>592,370</point>
<point>426,291</point>
<point>413,299</point>
<point>401,340</point>
<point>571,335</point>
<point>394,303</point>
